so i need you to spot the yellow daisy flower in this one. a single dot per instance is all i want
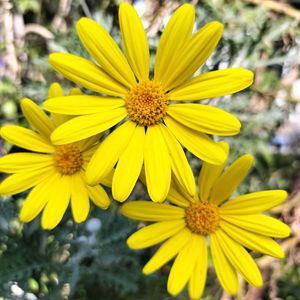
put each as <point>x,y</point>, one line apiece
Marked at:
<point>56,173</point>
<point>154,122</point>
<point>187,223</point>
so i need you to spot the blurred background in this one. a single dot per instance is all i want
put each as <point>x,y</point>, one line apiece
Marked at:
<point>90,261</point>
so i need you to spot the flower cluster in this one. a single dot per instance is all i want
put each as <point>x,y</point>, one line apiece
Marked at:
<point>153,118</point>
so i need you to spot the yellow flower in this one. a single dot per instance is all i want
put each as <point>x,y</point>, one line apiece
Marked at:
<point>187,223</point>
<point>154,122</point>
<point>56,173</point>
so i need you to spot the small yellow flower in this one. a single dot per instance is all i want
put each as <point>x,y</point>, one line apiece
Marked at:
<point>56,173</point>
<point>186,224</point>
<point>154,122</point>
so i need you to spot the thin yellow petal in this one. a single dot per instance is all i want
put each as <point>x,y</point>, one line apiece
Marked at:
<point>75,91</point>
<point>134,41</point>
<point>37,199</point>
<point>20,182</point>
<point>228,182</point>
<point>179,163</point>
<point>80,202</point>
<point>253,203</point>
<point>259,224</point>
<point>154,234</point>
<point>20,162</point>
<point>105,51</point>
<point>26,138</point>
<point>82,104</point>
<point>198,276</point>
<point>99,196</point>
<point>59,198</point>
<point>178,196</point>
<point>85,126</point>
<point>183,265</point>
<point>109,152</point>
<point>227,275</point>
<point>240,259</point>
<point>86,74</point>
<point>177,32</point>
<point>167,251</point>
<point>149,211</point>
<point>37,118</point>
<point>194,53</point>
<point>157,165</point>
<point>55,90</point>
<point>253,241</point>
<point>205,118</point>
<point>209,174</point>
<point>197,143</point>
<point>129,166</point>
<point>213,84</point>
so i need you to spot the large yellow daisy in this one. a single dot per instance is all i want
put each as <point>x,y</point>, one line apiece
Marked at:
<point>154,122</point>
<point>186,224</point>
<point>56,173</point>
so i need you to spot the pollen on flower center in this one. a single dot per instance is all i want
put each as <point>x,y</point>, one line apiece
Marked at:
<point>146,103</point>
<point>68,159</point>
<point>202,217</point>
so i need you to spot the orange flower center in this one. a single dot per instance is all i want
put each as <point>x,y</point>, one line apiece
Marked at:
<point>146,103</point>
<point>68,159</point>
<point>202,217</point>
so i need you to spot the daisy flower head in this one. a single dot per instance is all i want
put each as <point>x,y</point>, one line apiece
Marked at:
<point>154,114</point>
<point>187,223</point>
<point>55,173</point>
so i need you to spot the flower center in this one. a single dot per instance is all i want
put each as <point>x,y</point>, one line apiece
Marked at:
<point>202,217</point>
<point>146,103</point>
<point>68,159</point>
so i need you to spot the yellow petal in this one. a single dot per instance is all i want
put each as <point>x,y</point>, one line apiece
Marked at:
<point>59,197</point>
<point>209,174</point>
<point>134,41</point>
<point>253,203</point>
<point>82,105</point>
<point>198,276</point>
<point>20,182</point>
<point>154,234</point>
<point>259,223</point>
<point>86,74</point>
<point>105,51</point>
<point>157,164</point>
<point>80,202</point>
<point>197,143</point>
<point>109,152</point>
<point>227,275</point>
<point>177,195</point>
<point>177,32</point>
<point>167,251</point>
<point>194,53</point>
<point>99,196</point>
<point>85,126</point>
<point>26,138</point>
<point>205,118</point>
<point>149,211</point>
<point>253,241</point>
<point>228,182</point>
<point>37,199</point>
<point>129,166</point>
<point>240,259</point>
<point>184,265</point>
<point>179,163</point>
<point>55,90</point>
<point>37,118</point>
<point>20,162</point>
<point>213,84</point>
<point>75,91</point>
